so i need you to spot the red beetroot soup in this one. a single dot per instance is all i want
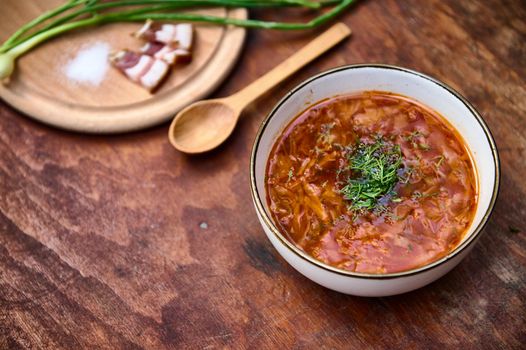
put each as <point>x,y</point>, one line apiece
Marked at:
<point>371,182</point>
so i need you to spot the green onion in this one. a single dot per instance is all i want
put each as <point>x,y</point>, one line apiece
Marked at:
<point>75,14</point>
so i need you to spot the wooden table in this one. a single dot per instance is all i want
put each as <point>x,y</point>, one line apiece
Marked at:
<point>121,242</point>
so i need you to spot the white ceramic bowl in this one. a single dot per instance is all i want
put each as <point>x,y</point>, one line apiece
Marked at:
<point>419,87</point>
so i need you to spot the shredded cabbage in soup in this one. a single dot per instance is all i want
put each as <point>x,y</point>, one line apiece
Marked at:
<point>372,183</point>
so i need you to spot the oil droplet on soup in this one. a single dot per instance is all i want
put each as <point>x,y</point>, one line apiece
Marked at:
<point>409,222</point>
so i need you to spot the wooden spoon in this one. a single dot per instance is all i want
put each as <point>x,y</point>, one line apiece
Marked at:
<point>204,125</point>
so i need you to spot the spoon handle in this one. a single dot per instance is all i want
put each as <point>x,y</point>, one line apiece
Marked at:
<point>309,52</point>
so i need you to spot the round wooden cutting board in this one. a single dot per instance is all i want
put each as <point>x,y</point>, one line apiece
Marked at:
<point>41,89</point>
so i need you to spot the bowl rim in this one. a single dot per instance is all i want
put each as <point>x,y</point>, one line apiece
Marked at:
<point>305,256</point>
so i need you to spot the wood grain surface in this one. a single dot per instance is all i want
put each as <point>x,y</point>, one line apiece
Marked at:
<point>123,243</point>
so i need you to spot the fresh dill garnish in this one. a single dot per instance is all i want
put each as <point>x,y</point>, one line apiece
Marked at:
<point>412,137</point>
<point>424,146</point>
<point>337,146</point>
<point>406,174</point>
<point>325,134</point>
<point>393,217</point>
<point>291,174</point>
<point>440,160</point>
<point>374,173</point>
<point>417,195</point>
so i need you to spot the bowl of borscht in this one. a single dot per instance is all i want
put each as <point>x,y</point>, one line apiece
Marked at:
<point>373,180</point>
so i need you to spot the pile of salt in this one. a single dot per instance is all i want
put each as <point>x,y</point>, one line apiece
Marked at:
<point>89,65</point>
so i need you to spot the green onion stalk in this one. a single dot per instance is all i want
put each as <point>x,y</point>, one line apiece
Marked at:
<point>75,14</point>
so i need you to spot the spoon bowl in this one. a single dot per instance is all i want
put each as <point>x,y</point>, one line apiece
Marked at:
<point>203,125</point>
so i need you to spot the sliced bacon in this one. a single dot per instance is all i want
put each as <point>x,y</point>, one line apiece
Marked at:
<point>152,47</point>
<point>125,59</point>
<point>166,53</point>
<point>143,69</point>
<point>136,72</point>
<point>179,36</point>
<point>153,77</point>
<point>184,35</point>
<point>166,45</point>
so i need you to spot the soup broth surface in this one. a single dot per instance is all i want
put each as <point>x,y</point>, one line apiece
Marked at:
<point>424,215</point>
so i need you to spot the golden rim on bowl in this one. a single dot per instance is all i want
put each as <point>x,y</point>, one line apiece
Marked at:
<point>466,243</point>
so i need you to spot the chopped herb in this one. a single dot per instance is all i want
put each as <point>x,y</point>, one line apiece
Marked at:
<point>325,134</point>
<point>424,146</point>
<point>340,218</point>
<point>440,160</point>
<point>417,195</point>
<point>374,173</point>
<point>291,174</point>
<point>407,173</point>
<point>412,136</point>
<point>393,217</point>
<point>410,247</point>
<point>381,209</point>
